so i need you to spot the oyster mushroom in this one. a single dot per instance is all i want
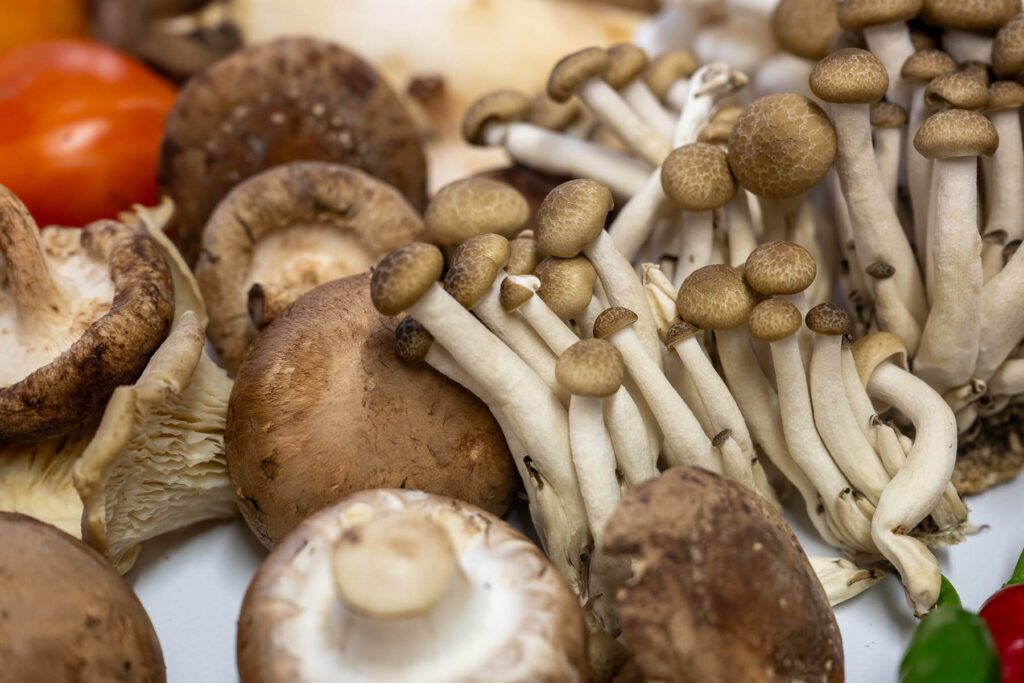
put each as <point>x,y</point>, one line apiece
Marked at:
<point>393,585</point>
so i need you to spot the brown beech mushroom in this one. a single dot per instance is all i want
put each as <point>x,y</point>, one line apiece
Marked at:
<point>81,312</point>
<point>283,232</point>
<point>721,590</point>
<point>66,615</point>
<point>322,408</point>
<point>474,206</point>
<point>287,100</point>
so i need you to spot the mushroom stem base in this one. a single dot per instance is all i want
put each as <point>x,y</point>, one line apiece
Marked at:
<point>992,452</point>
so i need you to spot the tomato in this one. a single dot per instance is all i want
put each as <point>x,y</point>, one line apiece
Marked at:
<point>80,128</point>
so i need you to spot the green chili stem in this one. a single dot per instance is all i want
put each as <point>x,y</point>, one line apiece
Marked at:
<point>1018,572</point>
<point>948,597</point>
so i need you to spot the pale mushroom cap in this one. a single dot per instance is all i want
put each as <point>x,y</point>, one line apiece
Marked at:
<point>850,76</point>
<point>513,295</point>
<point>667,68</point>
<point>805,28</point>
<point>499,107</point>
<point>957,90</point>
<point>782,146</point>
<point>680,331</point>
<point>611,320</point>
<point>696,177</point>
<point>574,70</point>
<point>1004,95</point>
<point>547,113</point>
<point>780,268</point>
<point>627,62</point>
<point>473,206</point>
<point>924,65</point>
<point>412,341</point>
<point>715,297</point>
<point>1008,49</point>
<point>873,349</point>
<point>855,15</point>
<point>880,270</point>
<point>488,245</point>
<point>888,115</point>
<point>469,279</point>
<point>572,216</point>
<point>524,255</point>
<point>956,133</point>
<point>970,15</point>
<point>774,319</point>
<point>590,367</point>
<point>404,275</point>
<point>828,319</point>
<point>566,285</point>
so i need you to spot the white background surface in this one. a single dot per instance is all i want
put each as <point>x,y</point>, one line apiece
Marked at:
<point>192,584</point>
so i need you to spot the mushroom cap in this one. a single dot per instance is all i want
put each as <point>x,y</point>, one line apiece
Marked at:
<point>566,284</point>
<point>780,268</point>
<point>714,561</point>
<point>627,63</point>
<point>412,341</point>
<point>67,615</point>
<point>880,270</point>
<point>470,278</point>
<point>287,100</point>
<point>782,146</point>
<point>873,349</point>
<point>956,90</point>
<point>1003,95</point>
<point>531,183</point>
<point>514,293</point>
<point>888,115</point>
<point>501,106</point>
<point>850,76</point>
<point>970,15</point>
<point>547,113</point>
<point>473,206</point>
<point>291,228</point>
<point>1008,49</point>
<point>805,28</point>
<point>696,177</point>
<point>956,133</point>
<point>774,319</point>
<point>856,15</point>
<point>573,70</point>
<point>828,319</point>
<point>404,275</point>
<point>680,331</point>
<point>715,297</point>
<point>591,367</point>
<point>519,612</point>
<point>322,407</point>
<point>572,216</point>
<point>524,255</point>
<point>611,320</point>
<point>720,127</point>
<point>667,68</point>
<point>487,245</point>
<point>924,65</point>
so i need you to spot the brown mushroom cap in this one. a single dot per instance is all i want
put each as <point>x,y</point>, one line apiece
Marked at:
<point>888,115</point>
<point>970,15</point>
<point>956,133</point>
<point>1003,95</point>
<point>805,28</point>
<point>572,71</point>
<point>957,90</point>
<point>65,614</point>
<point>566,285</point>
<point>880,270</point>
<point>715,297</point>
<point>501,106</point>
<point>780,268</point>
<point>924,65</point>
<point>1008,49</point>
<point>532,184</point>
<point>828,319</point>
<point>611,320</point>
<point>404,275</point>
<point>855,15</point>
<point>773,320</point>
<point>720,127</point>
<point>720,586</point>
<point>487,245</point>
<point>524,255</point>
<point>412,341</point>
<point>591,367</point>
<point>572,216</point>
<point>667,68</point>
<point>287,100</point>
<point>547,113</point>
<point>782,146</point>
<point>513,295</point>
<point>473,206</point>
<point>627,62</point>
<point>322,408</point>
<point>850,76</point>
<point>680,331</point>
<point>873,349</point>
<point>469,279</point>
<point>290,229</point>
<point>696,177</point>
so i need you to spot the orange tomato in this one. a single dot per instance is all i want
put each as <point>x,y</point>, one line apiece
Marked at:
<point>32,21</point>
<point>80,128</point>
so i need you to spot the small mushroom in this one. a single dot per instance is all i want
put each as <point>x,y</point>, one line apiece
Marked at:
<point>1005,203</point>
<point>969,25</point>
<point>627,65</point>
<point>885,32</point>
<point>889,123</point>
<point>1008,49</point>
<point>474,206</point>
<point>805,28</point>
<point>668,76</point>
<point>393,585</point>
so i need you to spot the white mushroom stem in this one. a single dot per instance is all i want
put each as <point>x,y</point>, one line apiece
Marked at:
<point>966,417</point>
<point>695,242</point>
<point>1002,316</point>
<point>919,171</point>
<point>677,93</point>
<point>892,45</point>
<point>815,232</point>
<point>38,299</point>
<point>888,152</point>
<point>783,72</point>
<point>585,320</point>
<point>1008,380</point>
<point>847,243</point>
<point>663,305</point>
<point>959,397</point>
<point>611,110</point>
<point>1006,198</point>
<point>967,46</point>
<point>893,315</point>
<point>594,458</point>
<point>950,340</point>
<point>740,230</point>
<point>708,85</point>
<point>735,463</point>
<point>860,403</point>
<point>634,223</point>
<point>842,579</point>
<point>642,101</point>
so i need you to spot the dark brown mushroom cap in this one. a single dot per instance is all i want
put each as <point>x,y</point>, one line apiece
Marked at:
<point>412,341</point>
<point>773,320</point>
<point>715,297</point>
<point>473,206</point>
<point>572,71</point>
<point>488,245</point>
<point>956,133</point>
<point>721,589</point>
<point>667,68</point>
<point>970,15</point>
<point>66,614</point>
<point>924,65</point>
<point>850,76</point>
<point>805,28</point>
<point>855,15</point>
<point>547,113</point>
<point>502,106</point>
<point>287,100</point>
<point>780,268</point>
<point>888,115</point>
<point>1008,49</point>
<point>572,216</point>
<point>469,279</point>
<point>1003,95</point>
<point>957,90</point>
<point>922,38</point>
<point>590,367</point>
<point>322,408</point>
<point>404,275</point>
<point>782,146</point>
<point>880,270</point>
<point>627,62</point>
<point>680,331</point>
<point>611,320</point>
<point>696,177</point>
<point>828,319</point>
<point>566,284</point>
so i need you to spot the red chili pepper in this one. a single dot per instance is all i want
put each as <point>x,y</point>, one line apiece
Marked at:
<point>1004,615</point>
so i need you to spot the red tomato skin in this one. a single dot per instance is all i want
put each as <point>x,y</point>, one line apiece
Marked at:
<point>1004,615</point>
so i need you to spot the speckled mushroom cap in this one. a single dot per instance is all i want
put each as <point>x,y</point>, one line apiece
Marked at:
<point>715,297</point>
<point>572,216</point>
<point>956,133</point>
<point>289,229</point>
<point>393,585</point>
<point>780,268</point>
<point>680,331</point>
<point>487,245</point>
<point>627,63</point>
<point>547,113</point>
<point>288,100</point>
<point>805,28</point>
<point>924,65</point>
<point>469,278</point>
<point>524,255</point>
<point>566,284</point>
<point>850,76</point>
<point>1003,95</point>
<point>970,15</point>
<point>782,146</point>
<point>516,290</point>
<point>888,115</point>
<point>473,206</point>
<point>502,106</point>
<point>957,90</point>
<point>611,320</point>
<point>828,319</point>
<point>1008,49</point>
<point>412,341</point>
<point>773,320</point>
<point>855,15</point>
<point>696,177</point>
<point>873,349</point>
<point>572,71</point>
<point>590,367</point>
<point>66,614</point>
<point>667,68</point>
<point>404,275</point>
